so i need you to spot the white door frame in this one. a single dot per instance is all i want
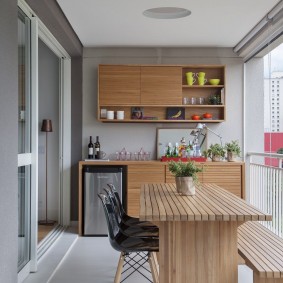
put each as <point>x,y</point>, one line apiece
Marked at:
<point>38,30</point>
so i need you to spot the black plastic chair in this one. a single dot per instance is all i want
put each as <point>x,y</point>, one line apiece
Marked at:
<point>128,220</point>
<point>134,229</point>
<point>135,251</point>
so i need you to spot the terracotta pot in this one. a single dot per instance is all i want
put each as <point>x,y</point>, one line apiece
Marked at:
<point>231,156</point>
<point>185,186</point>
<point>216,158</point>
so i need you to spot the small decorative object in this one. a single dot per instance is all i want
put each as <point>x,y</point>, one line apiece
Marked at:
<point>195,117</point>
<point>137,113</point>
<point>216,152</point>
<point>214,99</point>
<point>175,113</point>
<point>207,116</point>
<point>233,150</point>
<point>185,176</point>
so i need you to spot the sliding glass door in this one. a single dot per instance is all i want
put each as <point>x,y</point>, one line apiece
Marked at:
<point>24,140</point>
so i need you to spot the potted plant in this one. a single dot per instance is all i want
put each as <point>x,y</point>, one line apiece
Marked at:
<point>280,150</point>
<point>233,150</point>
<point>216,152</point>
<point>185,176</point>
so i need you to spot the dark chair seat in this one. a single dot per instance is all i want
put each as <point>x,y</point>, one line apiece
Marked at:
<point>134,229</point>
<point>128,220</point>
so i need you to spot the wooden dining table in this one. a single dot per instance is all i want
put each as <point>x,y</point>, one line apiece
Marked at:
<point>197,234</point>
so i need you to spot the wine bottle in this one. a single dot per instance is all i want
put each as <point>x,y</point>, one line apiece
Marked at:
<point>97,147</point>
<point>90,148</point>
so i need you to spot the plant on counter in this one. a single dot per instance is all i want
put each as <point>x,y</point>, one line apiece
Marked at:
<point>233,150</point>
<point>280,150</point>
<point>185,175</point>
<point>184,169</point>
<point>216,152</point>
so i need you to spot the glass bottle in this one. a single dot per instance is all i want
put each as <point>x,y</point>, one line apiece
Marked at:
<point>97,147</point>
<point>90,148</point>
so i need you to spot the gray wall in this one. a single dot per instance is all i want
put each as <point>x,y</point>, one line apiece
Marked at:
<point>134,136</point>
<point>8,141</point>
<point>48,108</point>
<point>76,142</point>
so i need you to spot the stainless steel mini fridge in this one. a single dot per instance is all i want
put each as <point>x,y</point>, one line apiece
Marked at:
<point>95,179</point>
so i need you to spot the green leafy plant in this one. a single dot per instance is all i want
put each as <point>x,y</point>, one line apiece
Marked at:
<point>184,169</point>
<point>215,150</point>
<point>233,147</point>
<point>280,150</point>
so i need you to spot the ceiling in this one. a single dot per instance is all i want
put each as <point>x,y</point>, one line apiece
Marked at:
<point>217,23</point>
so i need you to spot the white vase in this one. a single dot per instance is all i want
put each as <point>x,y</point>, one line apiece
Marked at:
<point>216,158</point>
<point>185,186</point>
<point>231,156</point>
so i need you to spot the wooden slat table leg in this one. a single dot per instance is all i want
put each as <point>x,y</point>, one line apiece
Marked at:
<point>198,252</point>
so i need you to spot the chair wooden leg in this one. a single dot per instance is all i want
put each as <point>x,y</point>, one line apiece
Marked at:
<point>154,267</point>
<point>119,268</point>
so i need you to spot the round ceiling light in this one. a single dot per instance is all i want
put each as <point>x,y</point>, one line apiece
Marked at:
<point>167,13</point>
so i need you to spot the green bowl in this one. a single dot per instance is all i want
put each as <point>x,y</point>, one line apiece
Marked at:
<point>214,81</point>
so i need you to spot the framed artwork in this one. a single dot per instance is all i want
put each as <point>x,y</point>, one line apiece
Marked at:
<point>175,113</point>
<point>137,113</point>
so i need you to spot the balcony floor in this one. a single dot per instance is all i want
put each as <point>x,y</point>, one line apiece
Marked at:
<point>75,259</point>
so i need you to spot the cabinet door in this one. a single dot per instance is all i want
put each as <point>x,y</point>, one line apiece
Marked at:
<point>119,85</point>
<point>228,177</point>
<point>161,85</point>
<point>137,175</point>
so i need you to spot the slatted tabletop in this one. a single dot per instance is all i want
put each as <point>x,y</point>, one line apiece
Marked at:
<point>161,202</point>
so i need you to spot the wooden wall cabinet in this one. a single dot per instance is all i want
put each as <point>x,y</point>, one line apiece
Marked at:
<point>157,87</point>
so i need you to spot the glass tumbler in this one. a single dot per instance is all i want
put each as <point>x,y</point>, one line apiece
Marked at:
<point>192,100</point>
<point>200,100</point>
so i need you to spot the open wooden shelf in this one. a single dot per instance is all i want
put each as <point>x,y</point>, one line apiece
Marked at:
<point>155,88</point>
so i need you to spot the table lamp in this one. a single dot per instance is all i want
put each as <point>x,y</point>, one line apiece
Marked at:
<point>201,126</point>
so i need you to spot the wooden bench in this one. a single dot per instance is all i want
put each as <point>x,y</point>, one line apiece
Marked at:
<point>262,251</point>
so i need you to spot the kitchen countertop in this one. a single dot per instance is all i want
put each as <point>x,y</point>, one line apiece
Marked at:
<point>150,162</point>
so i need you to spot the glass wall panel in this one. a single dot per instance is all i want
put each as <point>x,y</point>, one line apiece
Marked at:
<point>24,83</point>
<point>23,215</point>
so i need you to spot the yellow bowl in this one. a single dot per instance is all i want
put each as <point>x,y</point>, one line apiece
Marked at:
<point>214,81</point>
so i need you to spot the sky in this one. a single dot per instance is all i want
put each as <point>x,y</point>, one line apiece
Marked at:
<point>276,61</point>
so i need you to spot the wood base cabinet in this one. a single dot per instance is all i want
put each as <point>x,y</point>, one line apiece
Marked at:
<point>228,175</point>
<point>137,175</point>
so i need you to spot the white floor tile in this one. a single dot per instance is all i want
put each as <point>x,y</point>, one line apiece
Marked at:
<point>93,260</point>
